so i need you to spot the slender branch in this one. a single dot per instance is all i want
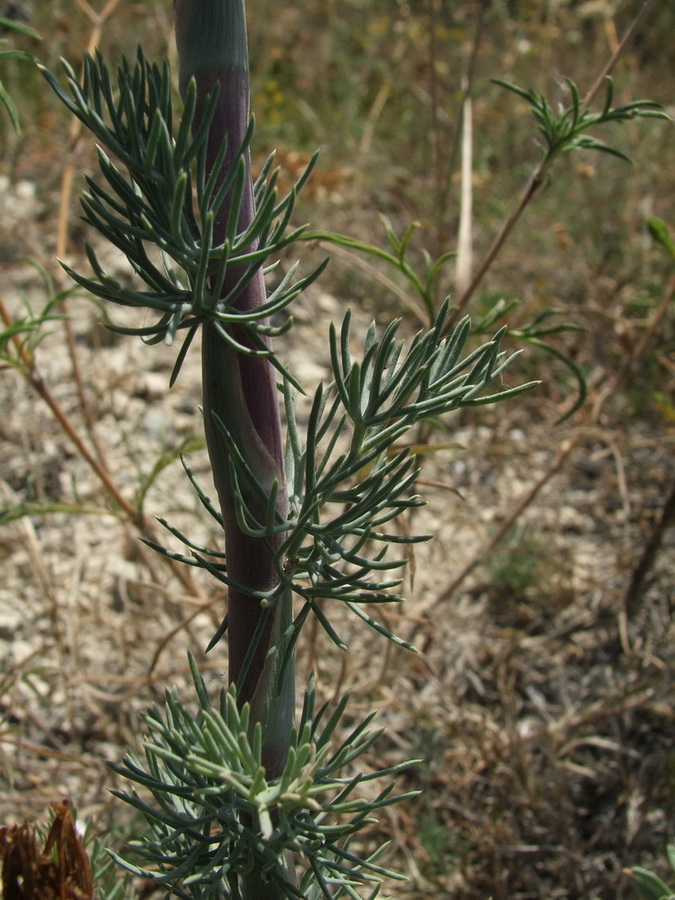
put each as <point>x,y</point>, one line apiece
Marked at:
<point>616,55</point>
<point>535,182</point>
<point>537,178</point>
<point>525,501</point>
<point>40,386</point>
<point>127,510</point>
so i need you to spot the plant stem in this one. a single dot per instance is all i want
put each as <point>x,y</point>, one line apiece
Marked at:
<point>239,391</point>
<point>38,383</point>
<point>614,58</point>
<point>538,176</point>
<point>128,511</point>
<point>535,182</point>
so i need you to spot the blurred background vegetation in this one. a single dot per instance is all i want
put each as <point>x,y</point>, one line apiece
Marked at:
<point>377,86</point>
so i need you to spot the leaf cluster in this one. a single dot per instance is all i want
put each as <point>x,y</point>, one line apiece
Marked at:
<point>426,283</point>
<point>216,816</point>
<point>148,203</point>
<point>567,128</point>
<point>355,473</point>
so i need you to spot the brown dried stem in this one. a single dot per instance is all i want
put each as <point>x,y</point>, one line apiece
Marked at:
<point>98,21</point>
<point>126,509</point>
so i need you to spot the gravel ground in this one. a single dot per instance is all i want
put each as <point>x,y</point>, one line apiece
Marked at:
<point>541,703</point>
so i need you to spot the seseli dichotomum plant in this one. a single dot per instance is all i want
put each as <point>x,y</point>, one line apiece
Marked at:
<point>241,800</point>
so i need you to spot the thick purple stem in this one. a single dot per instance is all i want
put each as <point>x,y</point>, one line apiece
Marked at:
<point>239,390</point>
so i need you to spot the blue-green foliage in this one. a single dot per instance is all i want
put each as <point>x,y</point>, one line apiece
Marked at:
<point>216,817</point>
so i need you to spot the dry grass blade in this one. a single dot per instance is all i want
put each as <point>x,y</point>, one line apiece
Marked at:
<point>465,232</point>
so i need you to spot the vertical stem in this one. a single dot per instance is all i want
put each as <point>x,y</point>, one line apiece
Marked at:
<point>239,391</point>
